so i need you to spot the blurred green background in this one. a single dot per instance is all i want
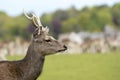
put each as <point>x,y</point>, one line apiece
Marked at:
<point>92,19</point>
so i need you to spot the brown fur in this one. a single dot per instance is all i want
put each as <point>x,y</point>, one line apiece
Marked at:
<point>31,66</point>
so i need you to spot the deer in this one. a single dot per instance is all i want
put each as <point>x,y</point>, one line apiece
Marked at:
<point>31,66</point>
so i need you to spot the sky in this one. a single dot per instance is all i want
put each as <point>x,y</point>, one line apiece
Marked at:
<point>15,7</point>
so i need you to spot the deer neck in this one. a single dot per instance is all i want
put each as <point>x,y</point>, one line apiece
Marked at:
<point>32,64</point>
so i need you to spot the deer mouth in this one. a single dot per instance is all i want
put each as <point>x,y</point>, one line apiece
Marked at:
<point>61,50</point>
<point>65,48</point>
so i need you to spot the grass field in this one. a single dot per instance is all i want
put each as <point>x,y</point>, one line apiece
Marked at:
<point>81,67</point>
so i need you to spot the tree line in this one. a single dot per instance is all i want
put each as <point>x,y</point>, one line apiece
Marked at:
<point>92,19</point>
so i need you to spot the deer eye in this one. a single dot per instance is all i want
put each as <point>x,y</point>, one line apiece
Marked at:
<point>48,40</point>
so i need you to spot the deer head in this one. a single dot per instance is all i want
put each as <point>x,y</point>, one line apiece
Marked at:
<point>44,43</point>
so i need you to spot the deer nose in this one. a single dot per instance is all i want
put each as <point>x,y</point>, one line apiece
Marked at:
<point>65,47</point>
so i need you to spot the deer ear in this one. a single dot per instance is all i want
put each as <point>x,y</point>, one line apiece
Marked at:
<point>36,32</point>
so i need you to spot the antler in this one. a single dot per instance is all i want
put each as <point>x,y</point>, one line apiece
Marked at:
<point>35,19</point>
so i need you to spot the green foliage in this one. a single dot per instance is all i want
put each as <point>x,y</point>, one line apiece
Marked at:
<point>13,26</point>
<point>116,14</point>
<point>87,19</point>
<point>69,25</point>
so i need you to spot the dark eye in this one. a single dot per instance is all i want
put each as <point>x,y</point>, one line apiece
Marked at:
<point>48,40</point>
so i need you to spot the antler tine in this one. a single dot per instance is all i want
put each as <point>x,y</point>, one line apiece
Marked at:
<point>39,21</point>
<point>27,15</point>
<point>31,18</point>
<point>35,19</point>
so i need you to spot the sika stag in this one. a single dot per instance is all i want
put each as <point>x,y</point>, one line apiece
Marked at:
<point>30,67</point>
